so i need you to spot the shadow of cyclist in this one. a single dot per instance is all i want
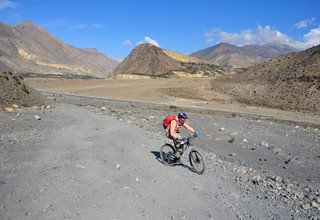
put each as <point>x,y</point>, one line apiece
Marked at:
<point>157,155</point>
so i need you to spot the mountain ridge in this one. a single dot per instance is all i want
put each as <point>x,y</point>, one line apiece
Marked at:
<point>27,48</point>
<point>228,55</point>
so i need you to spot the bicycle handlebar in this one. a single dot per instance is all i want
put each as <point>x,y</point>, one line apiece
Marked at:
<point>190,137</point>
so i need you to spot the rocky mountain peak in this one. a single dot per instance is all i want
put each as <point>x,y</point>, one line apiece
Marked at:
<point>25,24</point>
<point>146,59</point>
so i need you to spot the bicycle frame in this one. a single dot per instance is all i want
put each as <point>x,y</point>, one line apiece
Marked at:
<point>185,145</point>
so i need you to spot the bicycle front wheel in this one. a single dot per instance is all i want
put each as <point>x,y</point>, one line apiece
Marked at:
<point>196,162</point>
<point>167,155</point>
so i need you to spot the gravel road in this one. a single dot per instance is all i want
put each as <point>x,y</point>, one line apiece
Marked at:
<point>80,161</point>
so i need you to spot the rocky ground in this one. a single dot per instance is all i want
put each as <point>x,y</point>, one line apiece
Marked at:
<point>97,158</point>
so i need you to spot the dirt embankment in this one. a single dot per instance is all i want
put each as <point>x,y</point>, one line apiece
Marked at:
<point>13,90</point>
<point>290,95</point>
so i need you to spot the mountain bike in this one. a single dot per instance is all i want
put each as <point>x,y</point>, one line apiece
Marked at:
<point>168,151</point>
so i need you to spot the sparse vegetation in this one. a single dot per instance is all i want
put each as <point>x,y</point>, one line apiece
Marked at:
<point>16,79</point>
<point>25,89</point>
<point>199,69</point>
<point>14,91</point>
<point>67,76</point>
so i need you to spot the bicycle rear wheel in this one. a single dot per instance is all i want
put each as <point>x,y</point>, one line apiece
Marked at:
<point>167,155</point>
<point>196,162</point>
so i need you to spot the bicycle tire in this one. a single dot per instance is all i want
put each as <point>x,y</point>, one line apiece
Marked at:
<point>196,162</point>
<point>167,152</point>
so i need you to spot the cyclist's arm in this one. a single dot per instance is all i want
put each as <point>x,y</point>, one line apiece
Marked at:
<point>173,129</point>
<point>188,127</point>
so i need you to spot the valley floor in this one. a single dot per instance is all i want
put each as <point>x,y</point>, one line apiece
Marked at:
<point>193,92</point>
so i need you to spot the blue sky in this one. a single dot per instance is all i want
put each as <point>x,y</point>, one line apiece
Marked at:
<point>115,27</point>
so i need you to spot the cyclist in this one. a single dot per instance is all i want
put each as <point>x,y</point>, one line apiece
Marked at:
<point>173,125</point>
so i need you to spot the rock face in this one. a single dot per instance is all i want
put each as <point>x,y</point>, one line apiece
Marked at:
<point>26,48</point>
<point>229,55</point>
<point>14,91</point>
<point>150,60</point>
<point>291,82</point>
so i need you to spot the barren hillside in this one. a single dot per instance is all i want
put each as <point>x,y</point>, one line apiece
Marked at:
<point>291,81</point>
<point>149,60</point>
<point>27,48</point>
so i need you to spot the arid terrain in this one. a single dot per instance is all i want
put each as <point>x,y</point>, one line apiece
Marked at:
<point>96,158</point>
<point>93,153</point>
<point>291,82</point>
<point>193,92</point>
<point>26,48</point>
<point>84,92</point>
<point>14,91</point>
<point>228,55</point>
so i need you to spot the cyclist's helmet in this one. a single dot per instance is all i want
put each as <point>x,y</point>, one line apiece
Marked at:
<point>182,115</point>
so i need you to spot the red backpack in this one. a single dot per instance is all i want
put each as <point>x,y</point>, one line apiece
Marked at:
<point>168,120</point>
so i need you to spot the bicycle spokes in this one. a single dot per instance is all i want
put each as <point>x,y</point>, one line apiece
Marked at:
<point>195,157</point>
<point>196,162</point>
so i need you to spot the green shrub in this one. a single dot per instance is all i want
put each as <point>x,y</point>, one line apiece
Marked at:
<point>25,89</point>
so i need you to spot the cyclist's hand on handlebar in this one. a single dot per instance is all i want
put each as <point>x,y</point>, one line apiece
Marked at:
<point>179,139</point>
<point>196,133</point>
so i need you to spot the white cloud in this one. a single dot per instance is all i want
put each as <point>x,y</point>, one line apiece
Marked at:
<point>149,40</point>
<point>96,25</point>
<point>264,35</point>
<point>305,23</point>
<point>246,37</point>
<point>127,43</point>
<point>78,26</point>
<point>72,25</point>
<point>6,4</point>
<point>312,38</point>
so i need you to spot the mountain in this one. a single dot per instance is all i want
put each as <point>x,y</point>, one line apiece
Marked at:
<point>229,55</point>
<point>150,60</point>
<point>290,81</point>
<point>27,48</point>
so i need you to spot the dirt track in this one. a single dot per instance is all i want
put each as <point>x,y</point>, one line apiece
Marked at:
<point>81,162</point>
